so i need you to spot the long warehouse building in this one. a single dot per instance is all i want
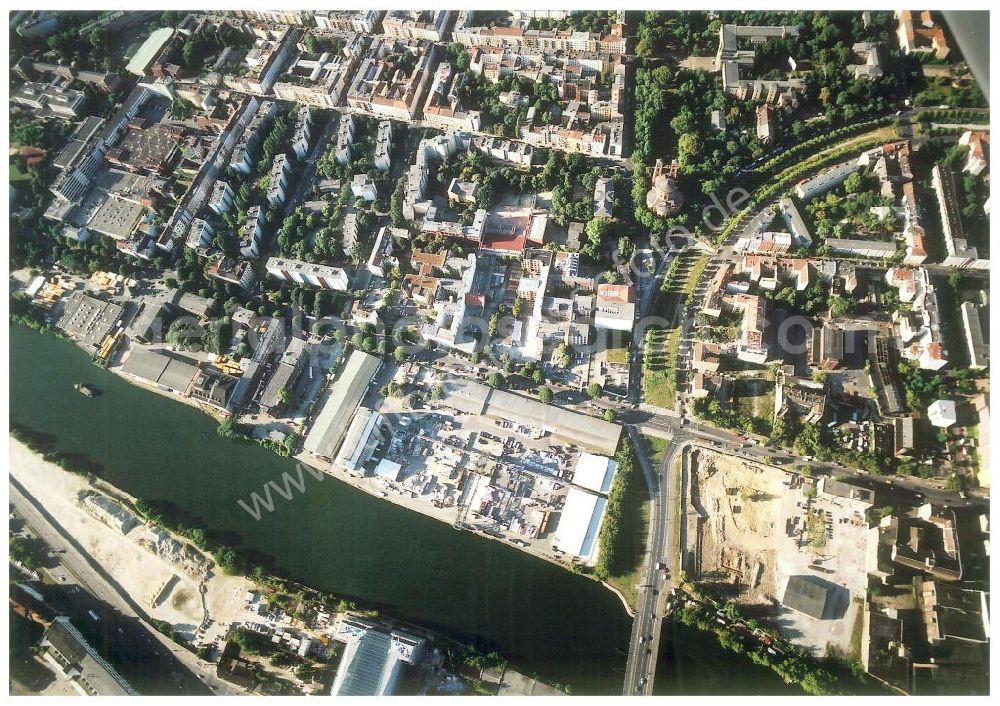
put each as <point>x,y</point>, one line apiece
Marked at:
<point>345,396</point>
<point>587,432</point>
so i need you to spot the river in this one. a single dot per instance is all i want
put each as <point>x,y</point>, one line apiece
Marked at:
<point>691,662</point>
<point>545,620</point>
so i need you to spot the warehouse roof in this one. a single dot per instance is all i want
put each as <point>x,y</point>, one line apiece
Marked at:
<point>88,318</point>
<point>583,430</point>
<point>594,472</point>
<point>149,50</point>
<point>90,667</point>
<point>466,396</point>
<point>345,395</point>
<point>805,595</point>
<point>579,523</point>
<point>161,368</point>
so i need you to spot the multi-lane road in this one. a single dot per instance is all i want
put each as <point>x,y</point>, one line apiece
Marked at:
<point>640,668</point>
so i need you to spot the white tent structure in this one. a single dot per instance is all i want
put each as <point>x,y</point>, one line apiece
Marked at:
<point>942,413</point>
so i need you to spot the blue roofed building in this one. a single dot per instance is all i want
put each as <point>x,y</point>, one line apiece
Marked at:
<point>374,657</point>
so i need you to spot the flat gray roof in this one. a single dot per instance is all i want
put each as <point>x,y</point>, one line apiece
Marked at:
<point>465,396</point>
<point>116,217</point>
<point>149,50</point>
<point>192,303</point>
<point>345,395</point>
<point>805,595</point>
<point>582,430</point>
<point>161,368</point>
<point>63,637</point>
<point>77,141</point>
<point>88,318</point>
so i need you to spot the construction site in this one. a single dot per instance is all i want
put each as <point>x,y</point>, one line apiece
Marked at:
<point>784,546</point>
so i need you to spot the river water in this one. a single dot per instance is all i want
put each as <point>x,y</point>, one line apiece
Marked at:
<point>545,620</point>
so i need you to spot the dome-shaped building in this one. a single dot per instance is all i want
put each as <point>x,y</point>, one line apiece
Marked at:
<point>665,197</point>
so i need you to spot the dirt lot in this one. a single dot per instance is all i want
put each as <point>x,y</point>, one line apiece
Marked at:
<point>759,526</point>
<point>164,590</point>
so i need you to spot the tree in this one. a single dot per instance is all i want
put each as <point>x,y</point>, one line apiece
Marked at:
<point>227,560</point>
<point>594,390</point>
<point>545,395</point>
<point>185,335</point>
<point>596,229</point>
<point>537,376</point>
<point>399,354</point>
<point>284,395</point>
<point>840,305</point>
<point>496,380</point>
<point>609,415</point>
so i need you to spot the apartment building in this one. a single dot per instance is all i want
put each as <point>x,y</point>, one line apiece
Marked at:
<point>308,273</point>
<point>387,90</point>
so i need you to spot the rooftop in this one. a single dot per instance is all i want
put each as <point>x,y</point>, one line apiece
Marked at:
<point>579,523</point>
<point>588,432</point>
<point>344,397</point>
<point>804,594</point>
<point>161,368</point>
<point>81,663</point>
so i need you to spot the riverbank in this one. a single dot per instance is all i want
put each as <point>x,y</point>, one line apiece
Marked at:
<point>545,620</point>
<point>393,493</point>
<point>165,590</point>
<point>380,490</point>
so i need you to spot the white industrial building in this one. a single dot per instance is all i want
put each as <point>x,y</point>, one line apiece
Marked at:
<point>580,524</point>
<point>345,395</point>
<point>363,437</point>
<point>595,472</point>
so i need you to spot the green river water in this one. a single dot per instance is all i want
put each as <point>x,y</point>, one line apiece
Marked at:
<point>545,620</point>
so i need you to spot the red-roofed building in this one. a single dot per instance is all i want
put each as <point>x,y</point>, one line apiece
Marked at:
<point>623,293</point>
<point>977,142</point>
<point>504,243</point>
